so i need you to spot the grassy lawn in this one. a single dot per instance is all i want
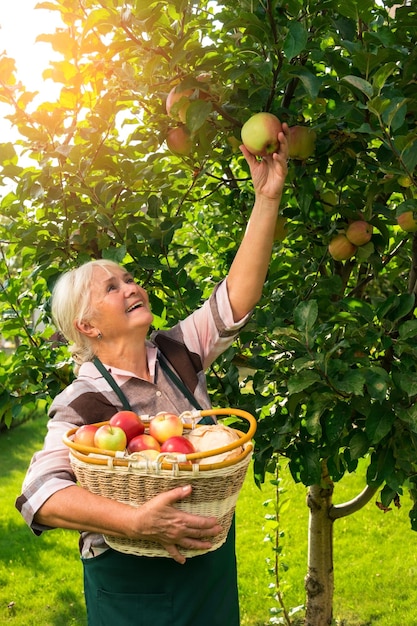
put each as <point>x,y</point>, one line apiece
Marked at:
<point>375,555</point>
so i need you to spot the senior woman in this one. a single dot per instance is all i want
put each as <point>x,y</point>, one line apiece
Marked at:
<point>105,315</point>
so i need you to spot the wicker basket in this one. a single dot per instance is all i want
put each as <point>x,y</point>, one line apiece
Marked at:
<point>134,479</point>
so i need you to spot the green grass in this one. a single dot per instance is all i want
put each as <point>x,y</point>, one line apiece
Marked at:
<point>374,557</point>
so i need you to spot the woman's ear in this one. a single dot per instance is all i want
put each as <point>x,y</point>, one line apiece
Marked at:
<point>85,328</point>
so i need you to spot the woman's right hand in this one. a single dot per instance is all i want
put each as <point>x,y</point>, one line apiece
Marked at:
<point>158,520</point>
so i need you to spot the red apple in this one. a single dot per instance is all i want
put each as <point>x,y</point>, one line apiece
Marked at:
<point>165,425</point>
<point>84,435</point>
<point>143,442</point>
<point>130,422</point>
<point>179,140</point>
<point>179,444</point>
<point>359,232</point>
<point>260,134</point>
<point>177,102</point>
<point>341,248</point>
<point>301,142</point>
<point>110,437</point>
<point>407,222</point>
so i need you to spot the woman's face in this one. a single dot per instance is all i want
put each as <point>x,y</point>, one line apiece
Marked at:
<point>118,304</point>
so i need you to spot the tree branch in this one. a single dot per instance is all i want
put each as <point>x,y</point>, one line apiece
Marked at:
<point>348,508</point>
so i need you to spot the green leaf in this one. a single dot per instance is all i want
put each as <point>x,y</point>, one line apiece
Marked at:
<point>359,308</point>
<point>359,83</point>
<point>353,382</point>
<point>379,422</point>
<point>408,329</point>
<point>311,83</point>
<point>358,445</point>
<point>377,383</point>
<point>305,315</point>
<point>385,71</point>
<point>302,381</point>
<point>197,113</point>
<point>296,40</point>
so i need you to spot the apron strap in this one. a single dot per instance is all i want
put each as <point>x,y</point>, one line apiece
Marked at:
<point>99,365</point>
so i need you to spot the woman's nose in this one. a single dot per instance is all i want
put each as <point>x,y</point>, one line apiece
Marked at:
<point>130,289</point>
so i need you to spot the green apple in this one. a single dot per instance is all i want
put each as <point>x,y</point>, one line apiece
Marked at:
<point>260,134</point>
<point>329,199</point>
<point>301,142</point>
<point>340,248</point>
<point>407,222</point>
<point>359,232</point>
<point>179,140</point>
<point>110,437</point>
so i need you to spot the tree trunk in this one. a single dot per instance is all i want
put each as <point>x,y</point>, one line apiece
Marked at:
<point>319,581</point>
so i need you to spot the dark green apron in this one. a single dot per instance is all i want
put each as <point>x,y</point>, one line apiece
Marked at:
<point>126,590</point>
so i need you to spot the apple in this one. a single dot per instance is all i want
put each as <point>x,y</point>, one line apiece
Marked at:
<point>359,232</point>
<point>179,140</point>
<point>84,435</point>
<point>177,102</point>
<point>110,437</point>
<point>130,422</point>
<point>407,222</point>
<point>329,199</point>
<point>340,248</point>
<point>165,425</point>
<point>179,444</point>
<point>260,134</point>
<point>301,142</point>
<point>143,442</point>
<point>405,181</point>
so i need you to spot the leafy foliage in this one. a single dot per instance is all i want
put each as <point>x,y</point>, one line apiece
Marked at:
<point>331,350</point>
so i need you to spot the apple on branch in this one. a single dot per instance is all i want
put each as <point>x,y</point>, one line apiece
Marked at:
<point>177,102</point>
<point>301,142</point>
<point>179,140</point>
<point>340,248</point>
<point>359,232</point>
<point>407,222</point>
<point>260,134</point>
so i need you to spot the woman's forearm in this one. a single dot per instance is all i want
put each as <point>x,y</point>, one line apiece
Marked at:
<point>157,520</point>
<point>250,266</point>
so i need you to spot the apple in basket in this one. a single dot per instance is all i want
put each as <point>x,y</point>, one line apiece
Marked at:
<point>165,425</point>
<point>179,444</point>
<point>211,437</point>
<point>84,435</point>
<point>130,422</point>
<point>143,443</point>
<point>110,437</point>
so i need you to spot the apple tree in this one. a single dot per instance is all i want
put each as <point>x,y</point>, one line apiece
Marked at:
<point>106,170</point>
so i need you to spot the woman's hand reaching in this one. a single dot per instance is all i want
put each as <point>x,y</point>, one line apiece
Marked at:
<point>269,172</point>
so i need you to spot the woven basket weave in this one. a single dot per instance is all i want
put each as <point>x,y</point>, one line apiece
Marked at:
<point>134,480</point>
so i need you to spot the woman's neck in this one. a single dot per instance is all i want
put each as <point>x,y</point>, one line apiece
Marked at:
<point>130,359</point>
